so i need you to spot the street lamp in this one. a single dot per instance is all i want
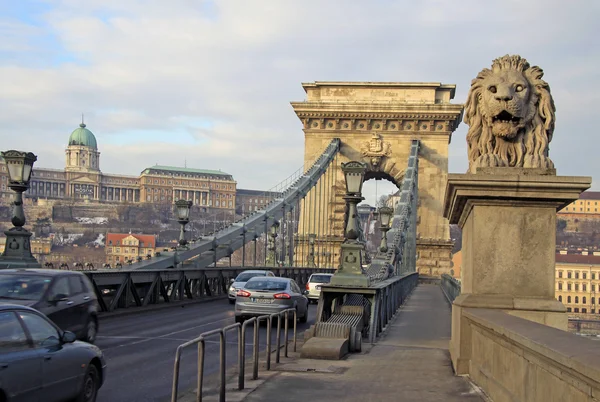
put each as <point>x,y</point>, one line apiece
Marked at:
<point>352,249</point>
<point>354,173</point>
<point>272,245</point>
<point>17,252</point>
<point>385,216</point>
<point>312,237</point>
<point>183,217</point>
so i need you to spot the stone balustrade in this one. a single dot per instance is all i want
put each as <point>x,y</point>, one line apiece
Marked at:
<point>513,359</point>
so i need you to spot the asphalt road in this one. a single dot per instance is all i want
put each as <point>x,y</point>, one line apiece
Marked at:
<point>140,349</point>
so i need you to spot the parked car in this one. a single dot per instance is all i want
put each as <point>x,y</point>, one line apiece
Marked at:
<point>239,282</point>
<point>39,362</point>
<point>66,297</point>
<point>313,286</point>
<point>268,295</point>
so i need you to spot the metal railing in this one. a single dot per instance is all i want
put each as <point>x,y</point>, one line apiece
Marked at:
<point>138,288</point>
<point>451,287</point>
<point>241,331</point>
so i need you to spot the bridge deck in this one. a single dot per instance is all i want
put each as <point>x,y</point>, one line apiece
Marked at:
<point>410,363</point>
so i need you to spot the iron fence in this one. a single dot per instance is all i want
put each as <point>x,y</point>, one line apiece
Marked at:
<point>451,287</point>
<point>138,288</point>
<point>241,336</point>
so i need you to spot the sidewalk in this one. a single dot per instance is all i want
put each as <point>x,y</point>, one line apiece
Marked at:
<point>410,363</point>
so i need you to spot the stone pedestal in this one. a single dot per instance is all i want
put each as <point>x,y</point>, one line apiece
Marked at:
<point>508,219</point>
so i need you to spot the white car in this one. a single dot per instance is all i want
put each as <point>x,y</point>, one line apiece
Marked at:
<point>239,282</point>
<point>313,286</point>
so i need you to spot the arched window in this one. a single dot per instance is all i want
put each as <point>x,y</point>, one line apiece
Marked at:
<point>583,300</point>
<point>576,299</point>
<point>568,299</point>
<point>560,298</point>
<point>559,285</point>
<point>568,286</point>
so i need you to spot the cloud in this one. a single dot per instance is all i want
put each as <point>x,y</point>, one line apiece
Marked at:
<point>211,81</point>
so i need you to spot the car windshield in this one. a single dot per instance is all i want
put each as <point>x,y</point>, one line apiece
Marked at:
<point>23,287</point>
<point>266,284</point>
<point>320,279</point>
<point>246,276</point>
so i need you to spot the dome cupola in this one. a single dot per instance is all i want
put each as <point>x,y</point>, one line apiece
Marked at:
<point>83,137</point>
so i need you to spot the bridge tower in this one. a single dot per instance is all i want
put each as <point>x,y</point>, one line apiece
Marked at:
<point>376,122</point>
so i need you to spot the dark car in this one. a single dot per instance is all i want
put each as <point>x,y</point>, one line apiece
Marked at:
<point>66,297</point>
<point>41,363</point>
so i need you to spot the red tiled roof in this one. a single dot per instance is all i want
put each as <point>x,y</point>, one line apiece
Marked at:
<point>590,195</point>
<point>148,240</point>
<point>578,259</point>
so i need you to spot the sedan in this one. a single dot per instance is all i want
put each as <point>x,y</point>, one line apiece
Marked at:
<point>66,297</point>
<point>41,363</point>
<point>239,282</point>
<point>268,295</point>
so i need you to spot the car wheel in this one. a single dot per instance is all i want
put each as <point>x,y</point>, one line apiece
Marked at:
<point>90,332</point>
<point>89,391</point>
<point>304,318</point>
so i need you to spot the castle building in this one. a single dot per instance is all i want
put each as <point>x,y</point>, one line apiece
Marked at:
<point>83,179</point>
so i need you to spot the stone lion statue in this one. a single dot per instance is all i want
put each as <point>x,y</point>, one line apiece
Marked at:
<point>510,113</point>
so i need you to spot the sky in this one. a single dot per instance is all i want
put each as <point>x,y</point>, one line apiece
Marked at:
<point>209,83</point>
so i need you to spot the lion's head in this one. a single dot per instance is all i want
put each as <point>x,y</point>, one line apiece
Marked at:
<point>510,113</point>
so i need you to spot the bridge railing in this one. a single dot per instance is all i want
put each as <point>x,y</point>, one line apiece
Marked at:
<point>451,287</point>
<point>241,346</point>
<point>139,288</point>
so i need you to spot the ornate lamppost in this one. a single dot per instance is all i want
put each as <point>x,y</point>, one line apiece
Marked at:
<point>385,217</point>
<point>272,245</point>
<point>183,217</point>
<point>17,252</point>
<point>350,271</point>
<point>312,237</point>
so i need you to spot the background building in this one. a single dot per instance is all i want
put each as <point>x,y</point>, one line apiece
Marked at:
<point>121,247</point>
<point>253,200</point>
<point>578,282</point>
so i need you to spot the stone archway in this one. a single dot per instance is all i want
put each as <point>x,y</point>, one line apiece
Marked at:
<point>376,123</point>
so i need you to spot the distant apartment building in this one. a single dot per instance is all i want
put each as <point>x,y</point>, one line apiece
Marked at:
<point>122,247</point>
<point>583,214</point>
<point>587,204</point>
<point>253,200</point>
<point>82,179</point>
<point>578,282</point>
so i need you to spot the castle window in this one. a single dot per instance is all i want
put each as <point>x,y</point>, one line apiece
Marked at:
<point>568,299</point>
<point>560,298</point>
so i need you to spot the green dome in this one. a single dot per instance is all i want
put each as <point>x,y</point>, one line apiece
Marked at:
<point>83,136</point>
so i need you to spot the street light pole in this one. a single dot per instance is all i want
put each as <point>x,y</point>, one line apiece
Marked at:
<point>17,252</point>
<point>350,271</point>
<point>385,216</point>
<point>183,217</point>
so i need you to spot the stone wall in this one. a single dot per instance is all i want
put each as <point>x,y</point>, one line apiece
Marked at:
<point>513,359</point>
